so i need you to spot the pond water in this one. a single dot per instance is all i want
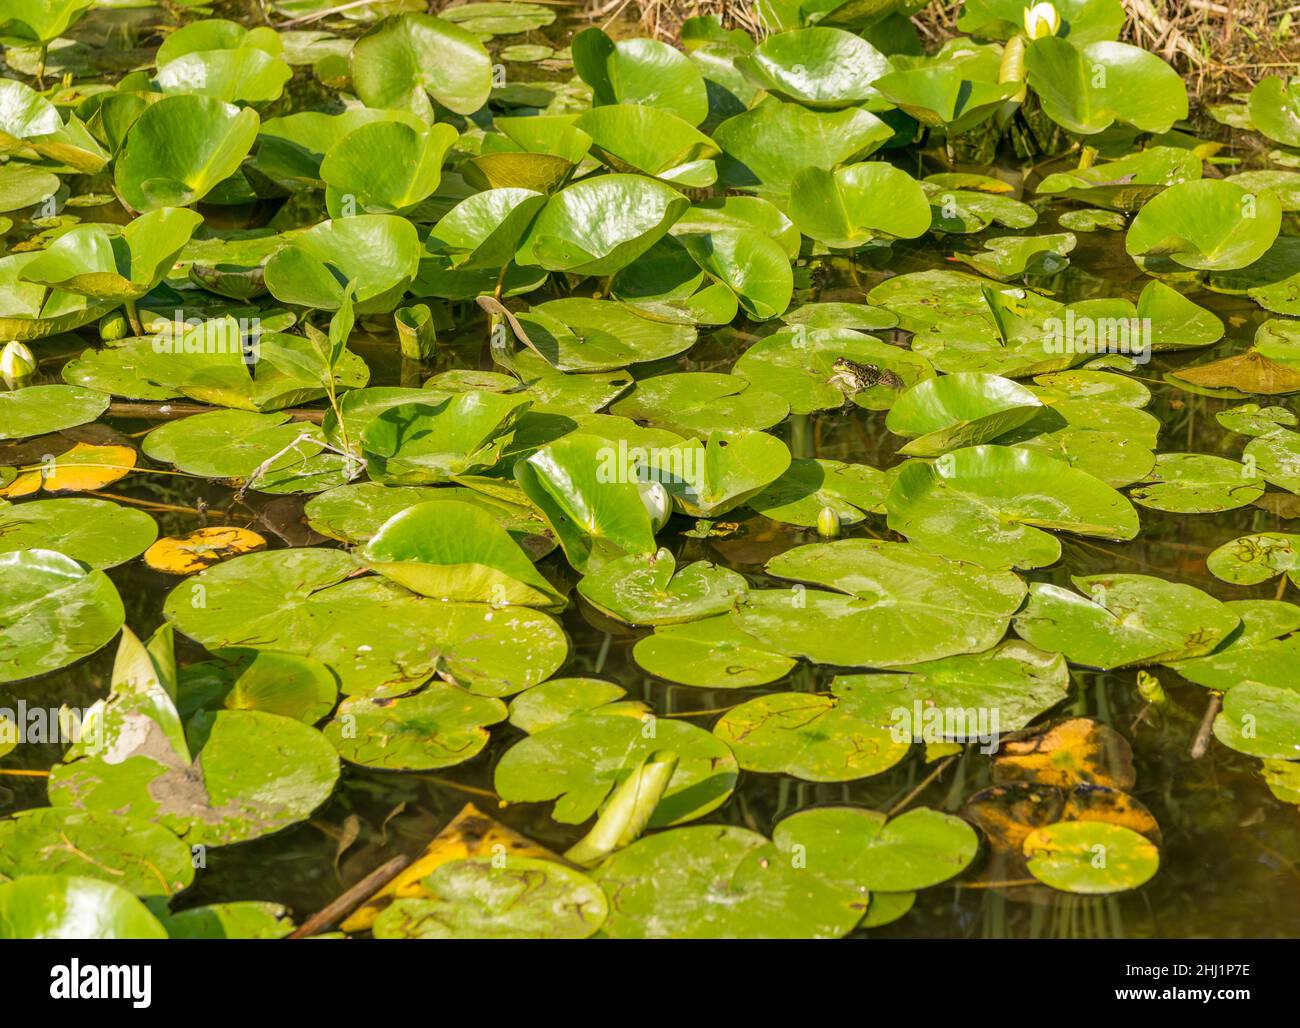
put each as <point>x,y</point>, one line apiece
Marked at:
<point>1230,862</point>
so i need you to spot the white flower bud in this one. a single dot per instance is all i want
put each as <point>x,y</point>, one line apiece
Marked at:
<point>16,363</point>
<point>1041,20</point>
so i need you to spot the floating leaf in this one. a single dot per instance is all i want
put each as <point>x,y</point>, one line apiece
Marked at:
<point>580,761</point>
<point>54,613</point>
<point>652,591</point>
<point>990,504</point>
<point>1124,620</point>
<point>75,908</point>
<point>202,548</point>
<point>1090,857</point>
<point>97,533</point>
<point>481,898</point>
<point>439,726</point>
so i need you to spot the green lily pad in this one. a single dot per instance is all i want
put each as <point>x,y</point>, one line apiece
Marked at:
<point>599,226</point>
<point>773,141</point>
<point>652,591</point>
<point>580,334</point>
<point>720,881</point>
<point>378,253</point>
<point>1124,620</point>
<point>586,488</point>
<point>802,366</point>
<point>710,477</point>
<point>1263,650</point>
<point>409,60</point>
<point>457,551</point>
<point>73,907</point>
<point>479,898</point>
<point>54,613</point>
<point>438,437</point>
<point>696,402</point>
<point>247,679</point>
<point>1008,257</point>
<point>143,858</point>
<point>1275,110</point>
<point>180,149</point>
<point>38,409</point>
<point>1087,88</point>
<point>378,638</point>
<point>639,71</point>
<point>354,513</point>
<point>991,504</point>
<point>809,486</point>
<point>1091,219</point>
<point>850,206</point>
<point>245,919</point>
<point>1090,857</point>
<point>546,705</point>
<point>1124,184</point>
<point>580,761</point>
<point>1260,721</point>
<point>1208,225</point>
<point>812,737</point>
<point>1198,483</point>
<point>912,851</point>
<point>98,533</point>
<point>816,66</point>
<point>952,411</point>
<point>1251,559</point>
<point>439,726</point>
<point>712,654</point>
<point>236,444</point>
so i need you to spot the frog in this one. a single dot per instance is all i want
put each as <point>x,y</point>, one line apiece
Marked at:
<point>853,377</point>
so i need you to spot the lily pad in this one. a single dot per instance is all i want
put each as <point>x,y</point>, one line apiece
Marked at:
<point>481,898</point>
<point>138,856</point>
<point>39,409</point>
<point>1090,857</point>
<point>55,612</point>
<point>97,533</point>
<point>652,591</point>
<point>579,762</point>
<point>380,639</point>
<point>457,551</point>
<point>75,908</point>
<point>712,654</point>
<point>1198,483</point>
<point>991,504</point>
<point>1207,225</point>
<point>1124,620</point>
<point>953,411</point>
<point>810,486</point>
<point>439,726</point>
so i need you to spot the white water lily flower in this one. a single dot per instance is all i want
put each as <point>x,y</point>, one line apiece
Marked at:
<point>16,362</point>
<point>1041,20</point>
<point>658,503</point>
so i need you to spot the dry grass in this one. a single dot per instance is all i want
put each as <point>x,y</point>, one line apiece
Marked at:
<point>1219,47</point>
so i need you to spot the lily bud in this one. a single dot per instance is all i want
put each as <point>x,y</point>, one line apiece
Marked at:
<point>113,326</point>
<point>658,504</point>
<point>1041,20</point>
<point>828,523</point>
<point>16,363</point>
